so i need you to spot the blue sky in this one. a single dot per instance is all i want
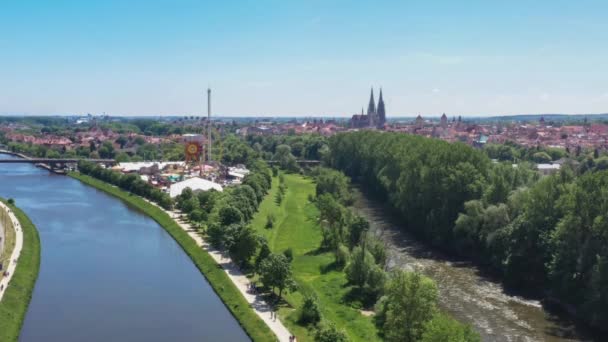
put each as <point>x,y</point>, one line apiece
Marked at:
<point>303,57</point>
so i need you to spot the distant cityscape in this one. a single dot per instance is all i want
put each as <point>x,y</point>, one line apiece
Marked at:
<point>556,131</point>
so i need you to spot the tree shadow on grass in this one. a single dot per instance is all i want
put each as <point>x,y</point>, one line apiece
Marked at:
<point>273,299</point>
<point>358,298</point>
<point>317,251</point>
<point>332,266</point>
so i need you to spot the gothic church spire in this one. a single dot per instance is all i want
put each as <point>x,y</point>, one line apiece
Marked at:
<point>371,108</point>
<point>381,111</point>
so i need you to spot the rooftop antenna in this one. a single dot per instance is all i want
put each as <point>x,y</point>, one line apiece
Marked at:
<point>208,124</point>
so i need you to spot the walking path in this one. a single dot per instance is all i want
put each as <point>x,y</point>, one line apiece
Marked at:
<point>16,251</point>
<point>239,279</point>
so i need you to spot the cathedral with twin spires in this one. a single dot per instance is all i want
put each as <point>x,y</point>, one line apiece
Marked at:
<point>375,117</point>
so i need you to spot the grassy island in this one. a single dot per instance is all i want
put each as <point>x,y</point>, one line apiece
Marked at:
<point>296,227</point>
<point>18,294</point>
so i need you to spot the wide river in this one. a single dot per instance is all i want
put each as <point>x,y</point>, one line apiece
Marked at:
<point>108,272</point>
<point>464,292</point>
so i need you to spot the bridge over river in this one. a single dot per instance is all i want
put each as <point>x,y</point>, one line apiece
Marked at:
<point>54,161</point>
<point>56,165</point>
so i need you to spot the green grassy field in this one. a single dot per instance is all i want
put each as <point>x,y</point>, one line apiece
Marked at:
<point>19,292</point>
<point>296,227</point>
<point>223,286</point>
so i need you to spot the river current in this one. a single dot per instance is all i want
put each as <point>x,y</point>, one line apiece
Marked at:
<point>463,291</point>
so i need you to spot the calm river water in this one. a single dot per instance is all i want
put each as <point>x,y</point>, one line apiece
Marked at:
<point>109,273</point>
<point>464,293</point>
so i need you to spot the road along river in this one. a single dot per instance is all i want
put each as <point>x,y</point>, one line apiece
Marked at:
<point>108,272</point>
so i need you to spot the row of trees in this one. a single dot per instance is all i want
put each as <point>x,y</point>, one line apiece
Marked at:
<point>303,146</point>
<point>225,217</point>
<point>547,235</point>
<point>143,151</point>
<point>406,303</point>
<point>129,182</point>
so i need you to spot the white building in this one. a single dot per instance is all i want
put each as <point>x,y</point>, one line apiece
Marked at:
<point>238,172</point>
<point>135,166</point>
<point>547,169</point>
<point>196,184</point>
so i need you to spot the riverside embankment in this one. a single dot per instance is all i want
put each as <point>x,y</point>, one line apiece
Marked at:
<point>109,272</point>
<point>226,279</point>
<point>22,267</point>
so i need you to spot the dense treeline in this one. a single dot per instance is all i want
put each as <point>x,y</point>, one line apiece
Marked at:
<point>510,151</point>
<point>426,180</point>
<point>547,235</point>
<point>302,146</point>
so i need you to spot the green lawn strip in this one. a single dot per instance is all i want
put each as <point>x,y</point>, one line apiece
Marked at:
<point>19,291</point>
<point>269,206</point>
<point>10,238</point>
<point>223,286</point>
<point>296,227</point>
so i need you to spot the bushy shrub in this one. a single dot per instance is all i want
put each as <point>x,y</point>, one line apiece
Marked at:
<point>288,253</point>
<point>342,256</point>
<point>327,332</point>
<point>310,314</point>
<point>270,221</point>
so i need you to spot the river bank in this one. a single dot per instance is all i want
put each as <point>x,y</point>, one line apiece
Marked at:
<point>109,272</point>
<point>256,300</point>
<point>12,243</point>
<point>215,275</point>
<point>17,295</point>
<point>465,292</point>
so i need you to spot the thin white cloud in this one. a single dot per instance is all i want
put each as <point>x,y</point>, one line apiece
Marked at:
<point>544,97</point>
<point>442,59</point>
<point>435,90</point>
<point>259,84</point>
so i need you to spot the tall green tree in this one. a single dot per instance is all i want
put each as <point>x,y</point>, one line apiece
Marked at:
<point>410,303</point>
<point>275,272</point>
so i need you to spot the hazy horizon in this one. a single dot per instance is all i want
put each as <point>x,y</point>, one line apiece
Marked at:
<point>314,58</point>
<point>343,117</point>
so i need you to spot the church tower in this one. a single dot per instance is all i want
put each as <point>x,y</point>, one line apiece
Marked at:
<point>444,121</point>
<point>381,112</point>
<point>371,109</point>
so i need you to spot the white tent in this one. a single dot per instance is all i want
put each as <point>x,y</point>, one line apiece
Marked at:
<point>196,184</point>
<point>135,166</point>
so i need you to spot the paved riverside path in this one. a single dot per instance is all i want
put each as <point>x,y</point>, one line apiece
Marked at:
<point>16,251</point>
<point>239,279</point>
